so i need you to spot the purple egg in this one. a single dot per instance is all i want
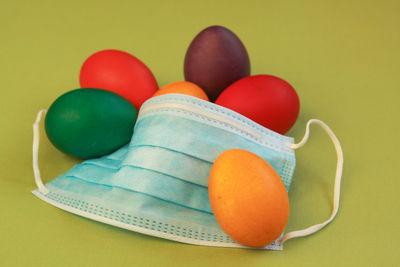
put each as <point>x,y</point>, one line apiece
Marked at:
<point>215,59</point>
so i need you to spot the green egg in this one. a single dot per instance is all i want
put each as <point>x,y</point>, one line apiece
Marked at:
<point>88,123</point>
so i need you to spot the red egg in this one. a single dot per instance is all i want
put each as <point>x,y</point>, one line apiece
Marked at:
<point>265,99</point>
<point>120,73</point>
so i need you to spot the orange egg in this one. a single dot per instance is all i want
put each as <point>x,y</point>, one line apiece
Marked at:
<point>186,88</point>
<point>248,198</point>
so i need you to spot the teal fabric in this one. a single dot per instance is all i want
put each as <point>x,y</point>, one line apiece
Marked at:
<point>159,181</point>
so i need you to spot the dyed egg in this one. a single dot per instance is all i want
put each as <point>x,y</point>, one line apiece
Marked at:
<point>248,198</point>
<point>186,88</point>
<point>215,59</point>
<point>121,73</point>
<point>88,123</point>
<point>265,99</point>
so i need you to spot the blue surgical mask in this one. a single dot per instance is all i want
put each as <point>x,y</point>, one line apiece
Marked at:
<point>157,185</point>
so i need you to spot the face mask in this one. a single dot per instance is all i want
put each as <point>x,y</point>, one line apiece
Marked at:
<point>157,185</point>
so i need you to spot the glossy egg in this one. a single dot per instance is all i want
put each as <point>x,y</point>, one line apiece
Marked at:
<point>182,87</point>
<point>120,73</point>
<point>248,198</point>
<point>215,59</point>
<point>265,99</point>
<point>88,123</point>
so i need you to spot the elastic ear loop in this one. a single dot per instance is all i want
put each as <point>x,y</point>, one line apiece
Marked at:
<point>338,177</point>
<point>35,151</point>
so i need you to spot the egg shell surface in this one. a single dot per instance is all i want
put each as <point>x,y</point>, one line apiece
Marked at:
<point>120,73</point>
<point>265,99</point>
<point>215,59</point>
<point>182,87</point>
<point>88,123</point>
<point>248,198</point>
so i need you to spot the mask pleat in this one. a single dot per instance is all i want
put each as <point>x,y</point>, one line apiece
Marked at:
<point>192,138</point>
<point>169,162</point>
<point>147,182</point>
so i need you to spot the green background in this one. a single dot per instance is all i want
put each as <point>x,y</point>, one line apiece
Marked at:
<point>341,56</point>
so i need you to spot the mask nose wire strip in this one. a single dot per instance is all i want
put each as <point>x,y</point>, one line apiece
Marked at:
<point>338,177</point>
<point>203,113</point>
<point>35,153</point>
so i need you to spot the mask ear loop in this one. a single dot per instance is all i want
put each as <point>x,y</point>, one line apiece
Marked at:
<point>35,151</point>
<point>338,177</point>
